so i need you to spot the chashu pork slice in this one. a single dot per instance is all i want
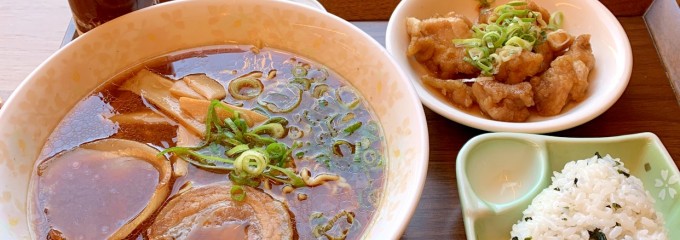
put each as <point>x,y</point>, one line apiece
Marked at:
<point>209,212</point>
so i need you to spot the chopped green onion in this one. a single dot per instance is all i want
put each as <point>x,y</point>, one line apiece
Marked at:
<point>211,119</point>
<point>319,75</point>
<point>329,125</point>
<point>230,141</point>
<point>347,97</point>
<point>358,150</point>
<point>293,179</point>
<point>305,83</point>
<point>478,31</point>
<point>503,8</point>
<point>512,24</point>
<point>485,65</point>
<point>529,20</point>
<point>237,193</point>
<point>274,130</point>
<point>244,180</point>
<point>237,149</point>
<point>280,120</point>
<point>556,20</point>
<point>245,88</point>
<point>352,128</point>
<point>277,151</point>
<point>506,53</point>
<point>470,42</point>
<point>258,140</point>
<point>320,90</point>
<point>370,157</point>
<point>241,124</point>
<point>493,39</point>
<point>299,71</point>
<point>509,15</point>
<point>251,162</point>
<point>250,165</point>
<point>295,132</point>
<point>237,132</point>
<point>364,143</point>
<point>477,53</point>
<point>519,42</point>
<point>531,39</point>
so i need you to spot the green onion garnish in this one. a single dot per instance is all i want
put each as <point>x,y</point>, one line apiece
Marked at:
<point>352,128</point>
<point>511,27</point>
<point>237,193</point>
<point>237,149</point>
<point>257,153</point>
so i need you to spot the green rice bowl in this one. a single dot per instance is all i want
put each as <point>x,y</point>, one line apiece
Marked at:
<point>594,198</point>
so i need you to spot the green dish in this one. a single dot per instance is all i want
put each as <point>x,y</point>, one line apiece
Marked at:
<point>499,174</point>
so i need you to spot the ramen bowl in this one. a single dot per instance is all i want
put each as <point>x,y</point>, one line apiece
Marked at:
<point>75,71</point>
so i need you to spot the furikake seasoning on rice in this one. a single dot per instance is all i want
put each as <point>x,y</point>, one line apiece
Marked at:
<point>594,198</point>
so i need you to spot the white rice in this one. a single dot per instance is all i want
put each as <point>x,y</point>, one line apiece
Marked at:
<point>589,196</point>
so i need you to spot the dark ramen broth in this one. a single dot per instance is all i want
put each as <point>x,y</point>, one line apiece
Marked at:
<point>83,196</point>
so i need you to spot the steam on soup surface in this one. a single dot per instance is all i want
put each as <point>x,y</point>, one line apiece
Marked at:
<point>222,142</point>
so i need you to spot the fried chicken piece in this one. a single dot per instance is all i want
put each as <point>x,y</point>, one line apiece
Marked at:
<point>566,79</point>
<point>551,89</point>
<point>583,53</point>
<point>547,53</point>
<point>456,91</point>
<point>519,67</point>
<point>431,44</point>
<point>504,102</point>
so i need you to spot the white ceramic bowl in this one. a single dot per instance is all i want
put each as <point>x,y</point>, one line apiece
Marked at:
<point>48,94</point>
<point>607,81</point>
<point>311,3</point>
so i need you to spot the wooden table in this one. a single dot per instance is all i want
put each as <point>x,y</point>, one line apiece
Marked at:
<point>648,104</point>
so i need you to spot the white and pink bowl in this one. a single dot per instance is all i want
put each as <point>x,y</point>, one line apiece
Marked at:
<point>613,61</point>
